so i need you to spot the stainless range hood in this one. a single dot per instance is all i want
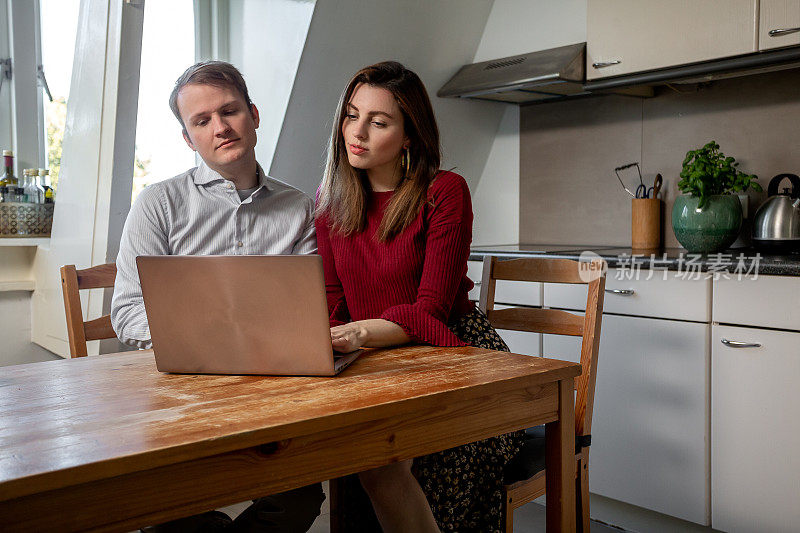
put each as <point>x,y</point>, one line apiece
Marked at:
<point>560,73</point>
<point>547,74</point>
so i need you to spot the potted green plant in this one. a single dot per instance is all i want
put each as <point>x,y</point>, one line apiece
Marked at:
<point>708,216</point>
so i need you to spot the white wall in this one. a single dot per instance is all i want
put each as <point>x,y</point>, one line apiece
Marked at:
<point>15,306</point>
<point>495,198</point>
<point>516,27</point>
<point>16,346</point>
<point>433,38</point>
<point>266,40</point>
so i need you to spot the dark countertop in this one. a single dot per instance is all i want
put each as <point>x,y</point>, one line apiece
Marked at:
<point>745,261</point>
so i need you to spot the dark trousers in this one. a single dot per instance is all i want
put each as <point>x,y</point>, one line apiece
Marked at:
<point>292,511</point>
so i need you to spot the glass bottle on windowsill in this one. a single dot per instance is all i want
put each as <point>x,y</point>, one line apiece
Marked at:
<point>41,187</point>
<point>18,195</point>
<point>32,187</point>
<point>44,183</point>
<point>8,178</point>
<point>25,183</point>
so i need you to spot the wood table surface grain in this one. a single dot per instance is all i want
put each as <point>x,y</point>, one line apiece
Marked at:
<point>109,443</point>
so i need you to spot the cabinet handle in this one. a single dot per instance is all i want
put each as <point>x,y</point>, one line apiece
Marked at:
<point>782,31</point>
<point>603,64</point>
<point>739,344</point>
<point>621,292</point>
<point>476,283</point>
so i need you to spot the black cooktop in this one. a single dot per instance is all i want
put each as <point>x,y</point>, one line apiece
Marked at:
<point>672,258</point>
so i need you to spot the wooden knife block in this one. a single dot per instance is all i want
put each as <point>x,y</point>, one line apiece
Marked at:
<point>646,224</point>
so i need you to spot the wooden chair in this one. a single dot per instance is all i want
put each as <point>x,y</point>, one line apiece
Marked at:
<point>72,281</point>
<point>530,461</point>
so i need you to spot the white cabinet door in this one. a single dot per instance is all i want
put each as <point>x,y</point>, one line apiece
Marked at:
<point>776,15</point>
<point>755,431</point>
<point>651,34</point>
<point>768,301</point>
<point>655,294</point>
<point>650,424</point>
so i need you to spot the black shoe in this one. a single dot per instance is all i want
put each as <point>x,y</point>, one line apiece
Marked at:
<point>210,522</point>
<point>292,511</point>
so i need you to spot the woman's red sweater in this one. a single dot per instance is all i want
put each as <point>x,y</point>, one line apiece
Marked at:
<point>418,279</point>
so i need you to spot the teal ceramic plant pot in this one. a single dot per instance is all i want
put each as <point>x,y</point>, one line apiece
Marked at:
<point>710,229</point>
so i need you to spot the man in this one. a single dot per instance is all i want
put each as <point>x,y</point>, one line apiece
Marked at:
<point>225,206</point>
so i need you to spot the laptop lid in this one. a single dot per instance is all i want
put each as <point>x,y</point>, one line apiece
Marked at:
<point>237,314</point>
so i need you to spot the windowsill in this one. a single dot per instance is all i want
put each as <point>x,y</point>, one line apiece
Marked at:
<point>22,285</point>
<point>24,241</point>
<point>17,256</point>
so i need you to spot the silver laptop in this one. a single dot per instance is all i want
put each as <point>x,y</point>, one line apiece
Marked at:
<point>239,314</point>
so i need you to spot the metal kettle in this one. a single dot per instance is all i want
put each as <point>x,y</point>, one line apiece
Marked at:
<point>776,225</point>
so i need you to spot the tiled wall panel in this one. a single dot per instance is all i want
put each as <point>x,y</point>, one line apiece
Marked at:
<point>568,150</point>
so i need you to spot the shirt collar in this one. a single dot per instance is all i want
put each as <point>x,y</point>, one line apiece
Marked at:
<point>205,175</point>
<point>262,179</point>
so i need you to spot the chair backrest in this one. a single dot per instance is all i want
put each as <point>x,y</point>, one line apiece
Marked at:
<point>72,281</point>
<point>554,321</point>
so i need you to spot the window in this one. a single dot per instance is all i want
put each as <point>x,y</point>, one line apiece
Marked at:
<point>5,81</point>
<point>58,24</point>
<point>168,48</point>
<point>40,47</point>
<point>37,53</point>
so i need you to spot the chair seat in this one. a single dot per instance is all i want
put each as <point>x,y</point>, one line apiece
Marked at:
<point>531,456</point>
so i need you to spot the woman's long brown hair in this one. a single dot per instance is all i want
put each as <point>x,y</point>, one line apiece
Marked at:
<point>345,190</point>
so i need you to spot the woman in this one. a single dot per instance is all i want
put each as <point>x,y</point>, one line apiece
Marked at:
<point>394,233</point>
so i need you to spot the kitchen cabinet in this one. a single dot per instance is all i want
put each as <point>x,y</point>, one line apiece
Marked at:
<point>776,15</point>
<point>683,424</point>
<point>651,293</point>
<point>755,432</point>
<point>651,417</point>
<point>767,301</point>
<point>626,36</point>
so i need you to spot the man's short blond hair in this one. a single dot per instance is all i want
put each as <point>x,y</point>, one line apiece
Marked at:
<point>216,73</point>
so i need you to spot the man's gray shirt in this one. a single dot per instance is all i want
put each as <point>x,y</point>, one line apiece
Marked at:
<point>200,213</point>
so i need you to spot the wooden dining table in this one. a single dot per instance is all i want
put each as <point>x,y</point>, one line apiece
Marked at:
<point>108,443</point>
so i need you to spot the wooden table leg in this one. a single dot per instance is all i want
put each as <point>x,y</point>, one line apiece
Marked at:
<point>335,501</point>
<point>560,462</point>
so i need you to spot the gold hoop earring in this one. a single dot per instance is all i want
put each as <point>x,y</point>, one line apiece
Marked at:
<point>405,164</point>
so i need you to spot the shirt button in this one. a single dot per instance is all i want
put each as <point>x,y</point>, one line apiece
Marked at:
<point>240,244</point>
<point>230,185</point>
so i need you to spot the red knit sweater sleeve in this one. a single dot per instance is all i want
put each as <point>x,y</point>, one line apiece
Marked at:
<point>449,232</point>
<point>337,306</point>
